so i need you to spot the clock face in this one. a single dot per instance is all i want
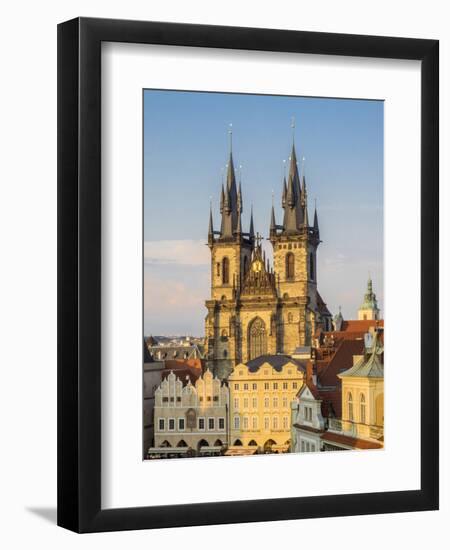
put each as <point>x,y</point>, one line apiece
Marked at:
<point>257,266</point>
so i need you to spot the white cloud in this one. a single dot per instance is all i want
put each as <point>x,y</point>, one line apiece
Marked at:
<point>181,252</point>
<point>174,306</point>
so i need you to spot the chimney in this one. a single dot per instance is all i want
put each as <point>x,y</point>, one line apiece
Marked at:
<point>311,373</point>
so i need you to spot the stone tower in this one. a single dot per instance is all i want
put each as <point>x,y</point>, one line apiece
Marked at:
<point>369,308</point>
<point>231,251</point>
<point>295,245</point>
<point>257,309</point>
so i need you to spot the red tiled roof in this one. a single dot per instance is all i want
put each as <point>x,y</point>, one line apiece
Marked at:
<point>362,325</point>
<point>331,402</point>
<point>175,364</point>
<point>341,360</point>
<point>353,442</point>
<point>352,329</point>
<point>183,368</point>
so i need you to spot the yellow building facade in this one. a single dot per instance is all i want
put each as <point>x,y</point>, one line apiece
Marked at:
<point>261,392</point>
<point>363,394</point>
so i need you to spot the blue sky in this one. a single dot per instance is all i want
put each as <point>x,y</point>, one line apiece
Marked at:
<point>186,145</point>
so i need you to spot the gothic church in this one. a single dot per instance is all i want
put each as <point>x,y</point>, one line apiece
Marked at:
<point>257,309</point>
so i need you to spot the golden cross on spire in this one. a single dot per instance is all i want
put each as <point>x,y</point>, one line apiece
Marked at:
<point>230,133</point>
<point>293,128</point>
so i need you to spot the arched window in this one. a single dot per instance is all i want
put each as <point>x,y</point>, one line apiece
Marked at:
<point>350,406</point>
<point>225,271</point>
<point>257,338</point>
<point>362,409</point>
<point>379,410</point>
<point>245,265</point>
<point>290,266</point>
<point>311,266</point>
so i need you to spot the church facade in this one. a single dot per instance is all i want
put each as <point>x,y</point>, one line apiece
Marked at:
<point>256,308</point>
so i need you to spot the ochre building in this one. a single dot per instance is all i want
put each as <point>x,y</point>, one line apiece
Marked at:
<point>261,393</point>
<point>256,308</point>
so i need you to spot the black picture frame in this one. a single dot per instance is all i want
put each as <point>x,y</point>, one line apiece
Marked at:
<point>79,274</point>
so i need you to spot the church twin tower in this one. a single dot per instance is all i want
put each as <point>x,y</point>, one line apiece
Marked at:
<point>256,309</point>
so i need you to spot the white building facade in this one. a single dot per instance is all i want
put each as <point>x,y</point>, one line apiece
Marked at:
<point>190,420</point>
<point>308,424</point>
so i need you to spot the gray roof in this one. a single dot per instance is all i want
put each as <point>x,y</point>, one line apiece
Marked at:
<point>176,352</point>
<point>370,365</point>
<point>276,361</point>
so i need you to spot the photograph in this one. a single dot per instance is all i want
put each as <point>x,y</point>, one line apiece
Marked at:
<point>263,287</point>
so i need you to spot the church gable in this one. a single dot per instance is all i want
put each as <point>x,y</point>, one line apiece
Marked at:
<point>259,279</point>
<point>305,393</point>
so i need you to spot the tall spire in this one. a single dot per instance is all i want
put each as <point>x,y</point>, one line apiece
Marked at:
<point>304,196</point>
<point>252,228</point>
<point>240,205</point>
<point>222,199</point>
<point>293,212</point>
<point>273,225</point>
<point>304,200</point>
<point>305,216</point>
<point>230,207</point>
<point>210,227</point>
<point>316,220</point>
<point>284,194</point>
<point>239,225</point>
